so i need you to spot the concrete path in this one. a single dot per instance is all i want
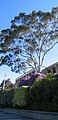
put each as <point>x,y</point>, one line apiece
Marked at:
<point>11,116</point>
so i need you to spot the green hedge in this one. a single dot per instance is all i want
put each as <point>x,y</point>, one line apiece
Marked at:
<point>0,98</point>
<point>19,97</point>
<point>6,97</point>
<point>43,95</point>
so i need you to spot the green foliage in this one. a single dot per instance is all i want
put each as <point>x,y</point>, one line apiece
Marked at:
<point>29,39</point>
<point>6,97</point>
<point>10,94</point>
<point>0,97</point>
<point>49,76</point>
<point>28,96</point>
<point>19,97</point>
<point>43,95</point>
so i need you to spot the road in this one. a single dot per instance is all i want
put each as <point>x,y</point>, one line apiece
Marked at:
<point>11,116</point>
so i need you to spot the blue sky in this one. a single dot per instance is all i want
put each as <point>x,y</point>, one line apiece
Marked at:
<point>11,8</point>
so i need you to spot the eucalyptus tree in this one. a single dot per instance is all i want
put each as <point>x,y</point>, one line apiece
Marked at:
<point>29,39</point>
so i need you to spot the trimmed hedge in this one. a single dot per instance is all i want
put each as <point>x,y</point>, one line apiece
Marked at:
<point>43,95</point>
<point>6,97</point>
<point>19,97</point>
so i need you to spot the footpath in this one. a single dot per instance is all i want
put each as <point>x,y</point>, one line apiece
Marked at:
<point>39,115</point>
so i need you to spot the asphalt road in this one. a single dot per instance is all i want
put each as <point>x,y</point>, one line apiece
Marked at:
<point>10,116</point>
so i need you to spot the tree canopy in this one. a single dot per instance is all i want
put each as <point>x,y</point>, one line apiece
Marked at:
<point>29,38</point>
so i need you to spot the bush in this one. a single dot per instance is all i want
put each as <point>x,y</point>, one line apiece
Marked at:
<point>0,97</point>
<point>43,95</point>
<point>6,97</point>
<point>19,97</point>
<point>10,95</point>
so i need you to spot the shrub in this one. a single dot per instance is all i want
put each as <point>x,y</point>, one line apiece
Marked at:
<point>10,95</point>
<point>19,97</point>
<point>6,98</point>
<point>0,97</point>
<point>43,95</point>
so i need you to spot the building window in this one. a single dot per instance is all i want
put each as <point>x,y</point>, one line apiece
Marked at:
<point>49,71</point>
<point>54,70</point>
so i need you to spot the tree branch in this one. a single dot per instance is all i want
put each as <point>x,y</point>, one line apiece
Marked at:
<point>47,51</point>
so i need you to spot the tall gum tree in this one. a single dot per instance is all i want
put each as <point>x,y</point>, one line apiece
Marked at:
<point>29,39</point>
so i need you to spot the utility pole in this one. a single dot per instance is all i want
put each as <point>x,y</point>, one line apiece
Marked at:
<point>4,81</point>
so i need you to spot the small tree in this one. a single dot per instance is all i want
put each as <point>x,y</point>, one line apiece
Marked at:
<point>28,40</point>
